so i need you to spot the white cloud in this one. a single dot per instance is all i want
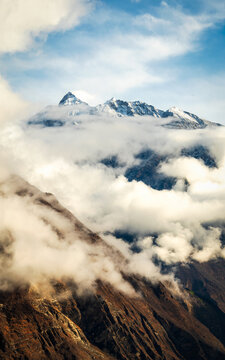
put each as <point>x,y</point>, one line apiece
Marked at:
<point>23,20</point>
<point>172,248</point>
<point>30,256</point>
<point>65,161</point>
<point>12,106</point>
<point>91,99</point>
<point>137,58</point>
<point>134,62</point>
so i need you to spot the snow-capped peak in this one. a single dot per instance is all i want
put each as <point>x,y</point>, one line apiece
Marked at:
<point>175,109</point>
<point>70,99</point>
<point>129,108</point>
<point>112,100</point>
<point>182,114</point>
<point>71,108</point>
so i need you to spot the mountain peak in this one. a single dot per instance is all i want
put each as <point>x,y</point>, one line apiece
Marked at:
<point>71,107</point>
<point>113,99</point>
<point>70,99</point>
<point>175,109</point>
<point>131,108</point>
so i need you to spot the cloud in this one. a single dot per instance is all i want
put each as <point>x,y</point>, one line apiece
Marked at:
<point>59,248</point>
<point>136,60</point>
<point>24,20</point>
<point>11,104</point>
<point>174,226</point>
<point>137,63</point>
<point>152,39</point>
<point>131,56</point>
<point>21,23</point>
<point>83,95</point>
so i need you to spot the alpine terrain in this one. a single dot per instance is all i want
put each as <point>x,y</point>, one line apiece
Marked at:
<point>52,319</point>
<point>141,274</point>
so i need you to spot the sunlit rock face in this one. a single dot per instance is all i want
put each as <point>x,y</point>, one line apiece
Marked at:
<point>56,316</point>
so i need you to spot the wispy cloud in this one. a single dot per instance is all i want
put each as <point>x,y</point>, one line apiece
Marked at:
<point>132,57</point>
<point>22,21</point>
<point>11,104</point>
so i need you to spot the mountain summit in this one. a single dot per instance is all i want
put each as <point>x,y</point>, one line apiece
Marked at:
<point>70,99</point>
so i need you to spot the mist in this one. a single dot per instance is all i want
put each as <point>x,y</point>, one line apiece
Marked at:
<point>40,241</point>
<point>172,226</point>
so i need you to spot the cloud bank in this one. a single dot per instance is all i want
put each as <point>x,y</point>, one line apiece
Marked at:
<point>40,242</point>
<point>173,226</point>
<point>11,104</point>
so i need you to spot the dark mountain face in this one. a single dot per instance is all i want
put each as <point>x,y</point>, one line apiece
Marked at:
<point>206,280</point>
<point>47,122</point>
<point>148,168</point>
<point>200,152</point>
<point>53,320</point>
<point>147,171</point>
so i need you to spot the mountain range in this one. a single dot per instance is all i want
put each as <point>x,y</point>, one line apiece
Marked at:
<point>146,162</point>
<point>70,108</point>
<point>70,292</point>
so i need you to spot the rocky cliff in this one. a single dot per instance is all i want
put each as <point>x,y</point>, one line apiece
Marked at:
<point>53,319</point>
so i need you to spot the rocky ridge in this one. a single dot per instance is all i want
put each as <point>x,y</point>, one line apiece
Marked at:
<point>54,321</point>
<point>70,108</point>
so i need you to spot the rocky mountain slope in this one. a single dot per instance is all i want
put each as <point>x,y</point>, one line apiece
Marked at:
<point>148,168</point>
<point>52,319</point>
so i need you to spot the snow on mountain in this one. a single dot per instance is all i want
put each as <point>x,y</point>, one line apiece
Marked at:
<point>70,108</point>
<point>132,108</point>
<point>184,119</point>
<point>70,99</point>
<point>67,112</point>
<point>180,114</point>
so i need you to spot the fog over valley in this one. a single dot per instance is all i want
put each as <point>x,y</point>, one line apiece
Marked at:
<point>155,192</point>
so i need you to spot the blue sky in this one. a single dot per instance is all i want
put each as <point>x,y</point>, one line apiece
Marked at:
<point>163,52</point>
